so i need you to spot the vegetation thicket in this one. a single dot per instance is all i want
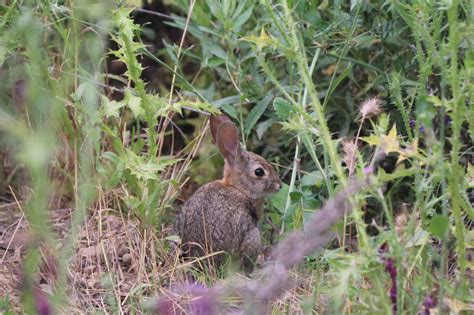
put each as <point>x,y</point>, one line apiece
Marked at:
<point>103,117</point>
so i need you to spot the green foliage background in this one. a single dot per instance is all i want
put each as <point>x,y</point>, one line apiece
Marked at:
<point>292,74</point>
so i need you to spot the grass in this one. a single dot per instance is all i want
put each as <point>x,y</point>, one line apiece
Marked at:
<point>97,157</point>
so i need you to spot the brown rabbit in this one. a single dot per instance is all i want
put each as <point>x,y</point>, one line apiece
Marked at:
<point>223,215</point>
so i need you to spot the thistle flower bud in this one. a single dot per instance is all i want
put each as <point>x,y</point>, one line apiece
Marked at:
<point>371,107</point>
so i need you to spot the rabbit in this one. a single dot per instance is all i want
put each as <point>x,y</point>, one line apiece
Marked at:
<point>223,215</point>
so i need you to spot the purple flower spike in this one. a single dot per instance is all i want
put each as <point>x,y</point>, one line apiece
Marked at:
<point>368,170</point>
<point>165,307</point>
<point>42,304</point>
<point>190,298</point>
<point>203,305</point>
<point>429,303</point>
<point>204,301</point>
<point>392,271</point>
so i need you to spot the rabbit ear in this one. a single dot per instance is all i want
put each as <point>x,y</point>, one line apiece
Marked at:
<point>225,136</point>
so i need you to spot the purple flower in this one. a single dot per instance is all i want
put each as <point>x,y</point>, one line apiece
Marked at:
<point>42,304</point>
<point>192,298</point>
<point>412,124</point>
<point>447,120</point>
<point>368,170</point>
<point>429,303</point>
<point>392,271</point>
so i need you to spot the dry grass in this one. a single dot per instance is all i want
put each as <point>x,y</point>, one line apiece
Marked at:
<point>117,265</point>
<point>114,259</point>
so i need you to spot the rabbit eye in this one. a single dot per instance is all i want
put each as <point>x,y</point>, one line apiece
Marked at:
<point>259,172</point>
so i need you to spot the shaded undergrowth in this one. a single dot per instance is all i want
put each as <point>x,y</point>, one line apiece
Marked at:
<point>106,153</point>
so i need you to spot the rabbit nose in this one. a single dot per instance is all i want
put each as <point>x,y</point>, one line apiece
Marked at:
<point>278,185</point>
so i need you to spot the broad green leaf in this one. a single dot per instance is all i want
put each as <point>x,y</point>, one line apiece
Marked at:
<point>111,108</point>
<point>311,179</point>
<point>214,62</point>
<point>134,103</point>
<point>439,225</point>
<point>230,110</point>
<point>242,18</point>
<point>296,196</point>
<point>218,51</point>
<point>215,8</point>
<point>278,200</point>
<point>226,6</point>
<point>241,5</point>
<point>256,112</point>
<point>262,127</point>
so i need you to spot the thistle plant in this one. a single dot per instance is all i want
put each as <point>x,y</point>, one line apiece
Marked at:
<point>91,179</point>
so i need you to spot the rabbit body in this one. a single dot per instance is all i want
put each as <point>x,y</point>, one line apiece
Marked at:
<point>223,215</point>
<point>219,218</point>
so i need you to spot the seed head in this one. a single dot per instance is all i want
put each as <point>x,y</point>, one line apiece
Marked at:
<point>349,148</point>
<point>370,107</point>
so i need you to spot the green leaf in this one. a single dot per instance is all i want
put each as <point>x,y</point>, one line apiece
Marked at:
<point>239,9</point>
<point>425,112</point>
<point>256,113</point>
<point>282,107</point>
<point>217,51</point>
<point>372,139</point>
<point>111,108</point>
<point>278,200</point>
<point>420,238</point>
<point>311,179</point>
<point>334,84</point>
<point>295,196</point>
<point>262,127</point>
<point>229,100</point>
<point>171,53</point>
<point>111,156</point>
<point>79,92</point>
<point>134,103</point>
<point>439,225</point>
<point>226,7</point>
<point>261,41</point>
<point>116,176</point>
<point>145,170</point>
<point>214,62</point>
<point>242,18</point>
<point>230,110</point>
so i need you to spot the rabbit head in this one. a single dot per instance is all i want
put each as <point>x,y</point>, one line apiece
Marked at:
<point>244,170</point>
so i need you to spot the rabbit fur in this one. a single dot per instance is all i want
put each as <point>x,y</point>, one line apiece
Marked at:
<point>223,215</point>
